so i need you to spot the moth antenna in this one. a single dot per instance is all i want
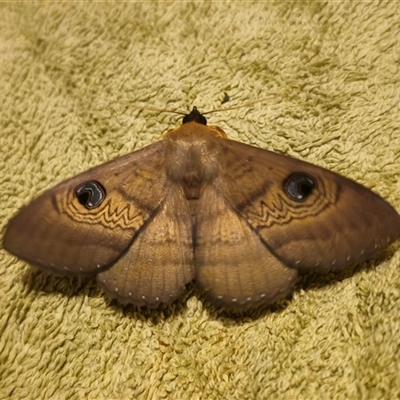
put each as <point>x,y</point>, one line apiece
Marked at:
<point>188,114</point>
<point>149,108</point>
<point>250,103</point>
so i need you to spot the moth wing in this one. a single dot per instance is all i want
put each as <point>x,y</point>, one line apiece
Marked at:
<point>233,265</point>
<point>159,262</point>
<point>337,223</point>
<point>57,232</point>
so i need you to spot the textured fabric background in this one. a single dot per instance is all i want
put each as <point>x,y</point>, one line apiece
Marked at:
<point>69,74</point>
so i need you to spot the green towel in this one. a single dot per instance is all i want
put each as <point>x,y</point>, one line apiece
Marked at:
<point>71,76</point>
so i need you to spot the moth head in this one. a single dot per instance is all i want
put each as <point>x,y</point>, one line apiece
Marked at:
<point>90,194</point>
<point>299,186</point>
<point>194,116</point>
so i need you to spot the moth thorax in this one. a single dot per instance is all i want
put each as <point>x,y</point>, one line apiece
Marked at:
<point>191,167</point>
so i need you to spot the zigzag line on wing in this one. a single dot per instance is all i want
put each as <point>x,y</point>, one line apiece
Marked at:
<point>109,215</point>
<point>279,210</point>
<point>268,214</point>
<point>126,217</point>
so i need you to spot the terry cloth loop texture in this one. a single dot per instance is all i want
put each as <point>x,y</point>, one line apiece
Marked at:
<point>70,74</point>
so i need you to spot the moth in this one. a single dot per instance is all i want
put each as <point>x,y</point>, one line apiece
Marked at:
<point>241,221</point>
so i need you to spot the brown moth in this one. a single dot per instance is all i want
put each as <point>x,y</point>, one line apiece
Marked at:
<point>240,221</point>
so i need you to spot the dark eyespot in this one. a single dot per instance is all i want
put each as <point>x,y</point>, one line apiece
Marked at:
<point>299,186</point>
<point>90,194</point>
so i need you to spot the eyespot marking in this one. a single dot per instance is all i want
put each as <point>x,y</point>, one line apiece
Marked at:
<point>90,194</point>
<point>299,186</point>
